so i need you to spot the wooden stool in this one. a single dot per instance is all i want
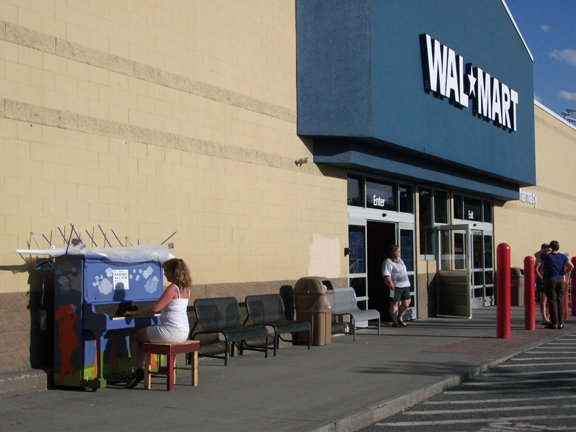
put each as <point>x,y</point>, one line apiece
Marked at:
<point>170,349</point>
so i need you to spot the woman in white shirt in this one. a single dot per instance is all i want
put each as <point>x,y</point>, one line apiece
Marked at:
<point>172,305</point>
<point>396,278</point>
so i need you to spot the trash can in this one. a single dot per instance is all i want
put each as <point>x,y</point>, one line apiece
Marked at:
<point>314,302</point>
<point>516,286</point>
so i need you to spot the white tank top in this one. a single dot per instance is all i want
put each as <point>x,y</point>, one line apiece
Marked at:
<point>174,313</point>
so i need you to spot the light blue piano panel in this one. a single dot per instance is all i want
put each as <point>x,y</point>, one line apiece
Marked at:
<point>115,282</point>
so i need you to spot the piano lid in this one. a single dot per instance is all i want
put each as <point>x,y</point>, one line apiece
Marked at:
<point>132,254</point>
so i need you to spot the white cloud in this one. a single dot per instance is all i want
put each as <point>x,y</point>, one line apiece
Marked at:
<point>567,95</point>
<point>567,55</point>
<point>544,27</point>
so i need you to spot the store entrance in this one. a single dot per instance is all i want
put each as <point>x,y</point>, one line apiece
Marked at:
<point>454,280</point>
<point>380,236</point>
<point>369,243</point>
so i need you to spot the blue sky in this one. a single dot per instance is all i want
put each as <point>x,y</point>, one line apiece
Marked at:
<point>549,29</point>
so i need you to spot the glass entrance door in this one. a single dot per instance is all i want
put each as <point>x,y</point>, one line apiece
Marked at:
<point>407,253</point>
<point>454,275</point>
<point>482,269</point>
<point>357,265</point>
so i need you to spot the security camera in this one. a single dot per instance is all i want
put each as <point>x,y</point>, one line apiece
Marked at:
<point>570,110</point>
<point>301,161</point>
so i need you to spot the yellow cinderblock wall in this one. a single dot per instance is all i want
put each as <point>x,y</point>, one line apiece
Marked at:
<point>525,227</point>
<point>154,117</point>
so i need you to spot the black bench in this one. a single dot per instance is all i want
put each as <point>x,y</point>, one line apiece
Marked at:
<point>222,315</point>
<point>268,310</point>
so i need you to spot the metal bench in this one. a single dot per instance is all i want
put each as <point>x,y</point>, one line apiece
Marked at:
<point>222,315</point>
<point>268,310</point>
<point>346,304</point>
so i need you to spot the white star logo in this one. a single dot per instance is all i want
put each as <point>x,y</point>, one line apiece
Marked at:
<point>472,85</point>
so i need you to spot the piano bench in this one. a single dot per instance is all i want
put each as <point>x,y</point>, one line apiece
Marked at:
<point>170,349</point>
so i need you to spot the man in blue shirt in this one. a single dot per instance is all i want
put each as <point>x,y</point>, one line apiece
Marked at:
<point>556,265</point>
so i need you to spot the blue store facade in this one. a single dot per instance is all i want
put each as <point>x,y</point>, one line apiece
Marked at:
<point>428,107</point>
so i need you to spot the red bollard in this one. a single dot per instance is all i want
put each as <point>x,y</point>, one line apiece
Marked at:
<point>573,286</point>
<point>503,291</point>
<point>529,294</point>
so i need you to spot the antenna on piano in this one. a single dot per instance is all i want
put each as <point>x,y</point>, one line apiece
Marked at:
<point>73,230</point>
<point>91,238</point>
<point>28,243</point>
<point>34,238</point>
<point>117,238</point>
<point>62,234</point>
<point>104,234</point>
<point>169,237</point>
<point>128,241</point>
<point>46,239</point>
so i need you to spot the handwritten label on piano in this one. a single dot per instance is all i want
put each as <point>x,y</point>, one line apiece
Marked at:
<point>120,278</point>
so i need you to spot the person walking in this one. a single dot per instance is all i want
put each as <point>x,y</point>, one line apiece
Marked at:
<point>395,277</point>
<point>556,266</point>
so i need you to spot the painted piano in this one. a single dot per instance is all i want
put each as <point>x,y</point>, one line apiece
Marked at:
<point>91,335</point>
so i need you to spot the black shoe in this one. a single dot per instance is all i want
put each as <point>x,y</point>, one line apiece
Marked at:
<point>551,326</point>
<point>136,377</point>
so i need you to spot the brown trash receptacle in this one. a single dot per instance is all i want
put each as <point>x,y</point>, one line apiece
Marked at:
<point>314,302</point>
<point>516,286</point>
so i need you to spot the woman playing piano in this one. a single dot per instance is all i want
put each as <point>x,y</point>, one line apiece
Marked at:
<point>172,306</point>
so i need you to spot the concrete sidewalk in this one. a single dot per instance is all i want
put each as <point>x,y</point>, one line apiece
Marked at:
<point>344,386</point>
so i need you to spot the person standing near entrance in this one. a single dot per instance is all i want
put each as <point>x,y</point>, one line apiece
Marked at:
<point>395,277</point>
<point>556,265</point>
<point>540,290</point>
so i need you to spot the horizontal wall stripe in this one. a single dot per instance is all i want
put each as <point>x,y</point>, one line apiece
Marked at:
<point>19,35</point>
<point>80,123</point>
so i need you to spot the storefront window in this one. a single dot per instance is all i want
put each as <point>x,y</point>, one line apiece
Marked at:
<point>487,211</point>
<point>434,210</point>
<point>458,210</point>
<point>381,196</point>
<point>406,199</point>
<point>355,195</point>
<point>425,220</point>
<point>473,209</point>
<point>440,207</point>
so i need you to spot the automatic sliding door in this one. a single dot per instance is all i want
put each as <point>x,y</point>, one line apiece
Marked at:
<point>357,259</point>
